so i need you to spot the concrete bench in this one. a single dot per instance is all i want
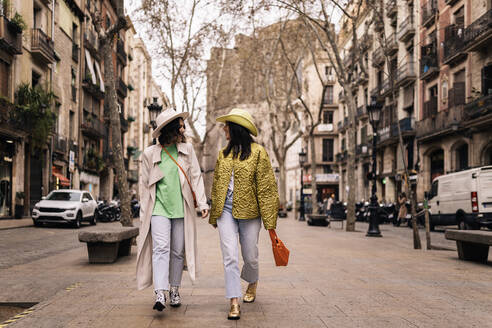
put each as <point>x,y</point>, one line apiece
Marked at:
<point>318,220</point>
<point>106,245</point>
<point>473,245</point>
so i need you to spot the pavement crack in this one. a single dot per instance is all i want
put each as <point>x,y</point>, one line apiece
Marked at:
<point>324,323</point>
<point>320,292</point>
<point>339,309</point>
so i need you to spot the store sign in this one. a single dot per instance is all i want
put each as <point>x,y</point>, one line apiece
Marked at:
<point>327,177</point>
<point>71,161</point>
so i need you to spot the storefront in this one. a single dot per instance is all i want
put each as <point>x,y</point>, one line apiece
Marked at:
<point>7,151</point>
<point>60,181</point>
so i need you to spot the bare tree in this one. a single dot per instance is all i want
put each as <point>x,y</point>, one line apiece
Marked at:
<point>107,38</point>
<point>180,34</point>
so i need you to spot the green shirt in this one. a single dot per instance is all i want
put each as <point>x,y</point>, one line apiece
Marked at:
<point>169,200</point>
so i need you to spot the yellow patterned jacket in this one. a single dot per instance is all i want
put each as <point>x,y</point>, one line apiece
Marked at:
<point>255,189</point>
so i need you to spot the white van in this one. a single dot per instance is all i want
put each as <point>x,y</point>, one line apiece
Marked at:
<point>462,198</point>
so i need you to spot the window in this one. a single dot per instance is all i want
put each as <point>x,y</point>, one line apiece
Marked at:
<point>327,117</point>
<point>36,78</point>
<point>363,134</point>
<point>4,78</point>
<point>88,196</point>
<point>343,144</point>
<point>328,98</point>
<point>327,150</point>
<point>434,188</point>
<point>72,82</point>
<point>71,124</point>
<point>327,169</point>
<point>74,33</point>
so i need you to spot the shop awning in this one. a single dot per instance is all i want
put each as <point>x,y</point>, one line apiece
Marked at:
<point>62,179</point>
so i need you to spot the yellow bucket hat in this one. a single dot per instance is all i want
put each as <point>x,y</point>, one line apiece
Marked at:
<point>241,117</point>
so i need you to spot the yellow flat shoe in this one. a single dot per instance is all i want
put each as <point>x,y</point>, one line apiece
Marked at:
<point>250,295</point>
<point>235,312</point>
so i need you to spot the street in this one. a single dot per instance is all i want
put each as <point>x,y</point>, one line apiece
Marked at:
<point>334,279</point>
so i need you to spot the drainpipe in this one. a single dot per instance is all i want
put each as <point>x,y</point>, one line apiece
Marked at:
<point>50,167</point>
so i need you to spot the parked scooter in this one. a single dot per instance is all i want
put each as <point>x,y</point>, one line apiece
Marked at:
<point>115,205</point>
<point>360,211</point>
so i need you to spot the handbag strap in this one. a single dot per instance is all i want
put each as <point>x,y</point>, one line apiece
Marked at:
<point>188,180</point>
<point>273,236</point>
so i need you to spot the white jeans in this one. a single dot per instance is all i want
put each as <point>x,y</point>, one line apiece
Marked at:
<point>248,231</point>
<point>167,251</point>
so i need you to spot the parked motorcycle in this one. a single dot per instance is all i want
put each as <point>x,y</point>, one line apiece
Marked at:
<point>105,213</point>
<point>360,211</point>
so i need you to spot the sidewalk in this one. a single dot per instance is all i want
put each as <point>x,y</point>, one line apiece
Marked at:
<point>334,279</point>
<point>15,223</point>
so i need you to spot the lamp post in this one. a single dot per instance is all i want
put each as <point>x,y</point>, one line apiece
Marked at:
<point>302,160</point>
<point>374,110</point>
<point>154,110</point>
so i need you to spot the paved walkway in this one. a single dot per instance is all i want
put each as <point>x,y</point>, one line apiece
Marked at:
<point>334,279</point>
<point>15,223</point>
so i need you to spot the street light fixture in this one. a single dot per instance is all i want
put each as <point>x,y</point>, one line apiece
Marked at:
<point>374,110</point>
<point>154,111</point>
<point>302,161</point>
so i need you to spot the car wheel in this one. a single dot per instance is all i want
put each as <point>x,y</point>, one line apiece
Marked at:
<point>94,218</point>
<point>78,218</point>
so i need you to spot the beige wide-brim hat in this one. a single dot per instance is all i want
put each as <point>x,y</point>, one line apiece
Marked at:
<point>241,117</point>
<point>164,118</point>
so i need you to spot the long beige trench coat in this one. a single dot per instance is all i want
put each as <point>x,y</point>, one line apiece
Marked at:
<point>149,176</point>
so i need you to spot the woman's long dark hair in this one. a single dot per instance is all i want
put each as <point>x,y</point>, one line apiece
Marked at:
<point>239,143</point>
<point>170,133</point>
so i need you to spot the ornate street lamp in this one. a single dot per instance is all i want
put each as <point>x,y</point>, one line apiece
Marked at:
<point>302,161</point>
<point>154,111</point>
<point>374,110</point>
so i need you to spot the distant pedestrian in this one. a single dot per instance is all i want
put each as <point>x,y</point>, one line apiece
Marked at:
<point>169,183</point>
<point>402,212</point>
<point>330,202</point>
<point>243,190</point>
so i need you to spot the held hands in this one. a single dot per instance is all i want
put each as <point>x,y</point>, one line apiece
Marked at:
<point>204,214</point>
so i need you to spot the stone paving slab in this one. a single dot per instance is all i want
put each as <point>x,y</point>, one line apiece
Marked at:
<point>334,279</point>
<point>15,223</point>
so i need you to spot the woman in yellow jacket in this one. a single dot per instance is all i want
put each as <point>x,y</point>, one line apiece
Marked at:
<point>244,193</point>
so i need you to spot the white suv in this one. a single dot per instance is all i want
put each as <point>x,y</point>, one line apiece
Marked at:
<point>65,206</point>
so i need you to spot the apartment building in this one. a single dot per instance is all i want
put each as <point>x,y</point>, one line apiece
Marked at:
<point>455,87</point>
<point>438,55</point>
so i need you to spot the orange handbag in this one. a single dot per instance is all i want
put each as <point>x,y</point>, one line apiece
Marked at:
<point>280,252</point>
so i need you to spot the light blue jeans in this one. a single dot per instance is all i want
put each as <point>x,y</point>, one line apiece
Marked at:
<point>248,231</point>
<point>167,251</point>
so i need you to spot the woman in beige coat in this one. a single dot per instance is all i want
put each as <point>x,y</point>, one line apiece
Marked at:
<point>170,174</point>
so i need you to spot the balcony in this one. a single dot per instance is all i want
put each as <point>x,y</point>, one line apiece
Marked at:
<point>60,144</point>
<point>479,107</point>
<point>430,108</point>
<point>122,88</point>
<point>93,89</point>
<point>93,127</point>
<point>132,176</point>
<point>441,123</point>
<point>391,44</point>
<point>386,88</point>
<point>406,127</point>
<point>478,35</point>
<point>10,37</point>
<point>91,41</point>
<point>361,111</point>
<point>120,51</point>
<point>75,52</point>
<point>407,29</point>
<point>456,95</point>
<point>429,13</point>
<point>123,124</point>
<point>377,57</point>
<point>429,65</point>
<point>42,47</point>
<point>406,74</point>
<point>453,45</point>
<point>391,8</point>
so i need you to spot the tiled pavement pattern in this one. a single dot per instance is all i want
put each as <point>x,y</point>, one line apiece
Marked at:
<point>334,279</point>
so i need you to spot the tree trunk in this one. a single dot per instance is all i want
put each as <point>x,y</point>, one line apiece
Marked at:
<point>314,186</point>
<point>351,145</point>
<point>281,182</point>
<point>115,126</point>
